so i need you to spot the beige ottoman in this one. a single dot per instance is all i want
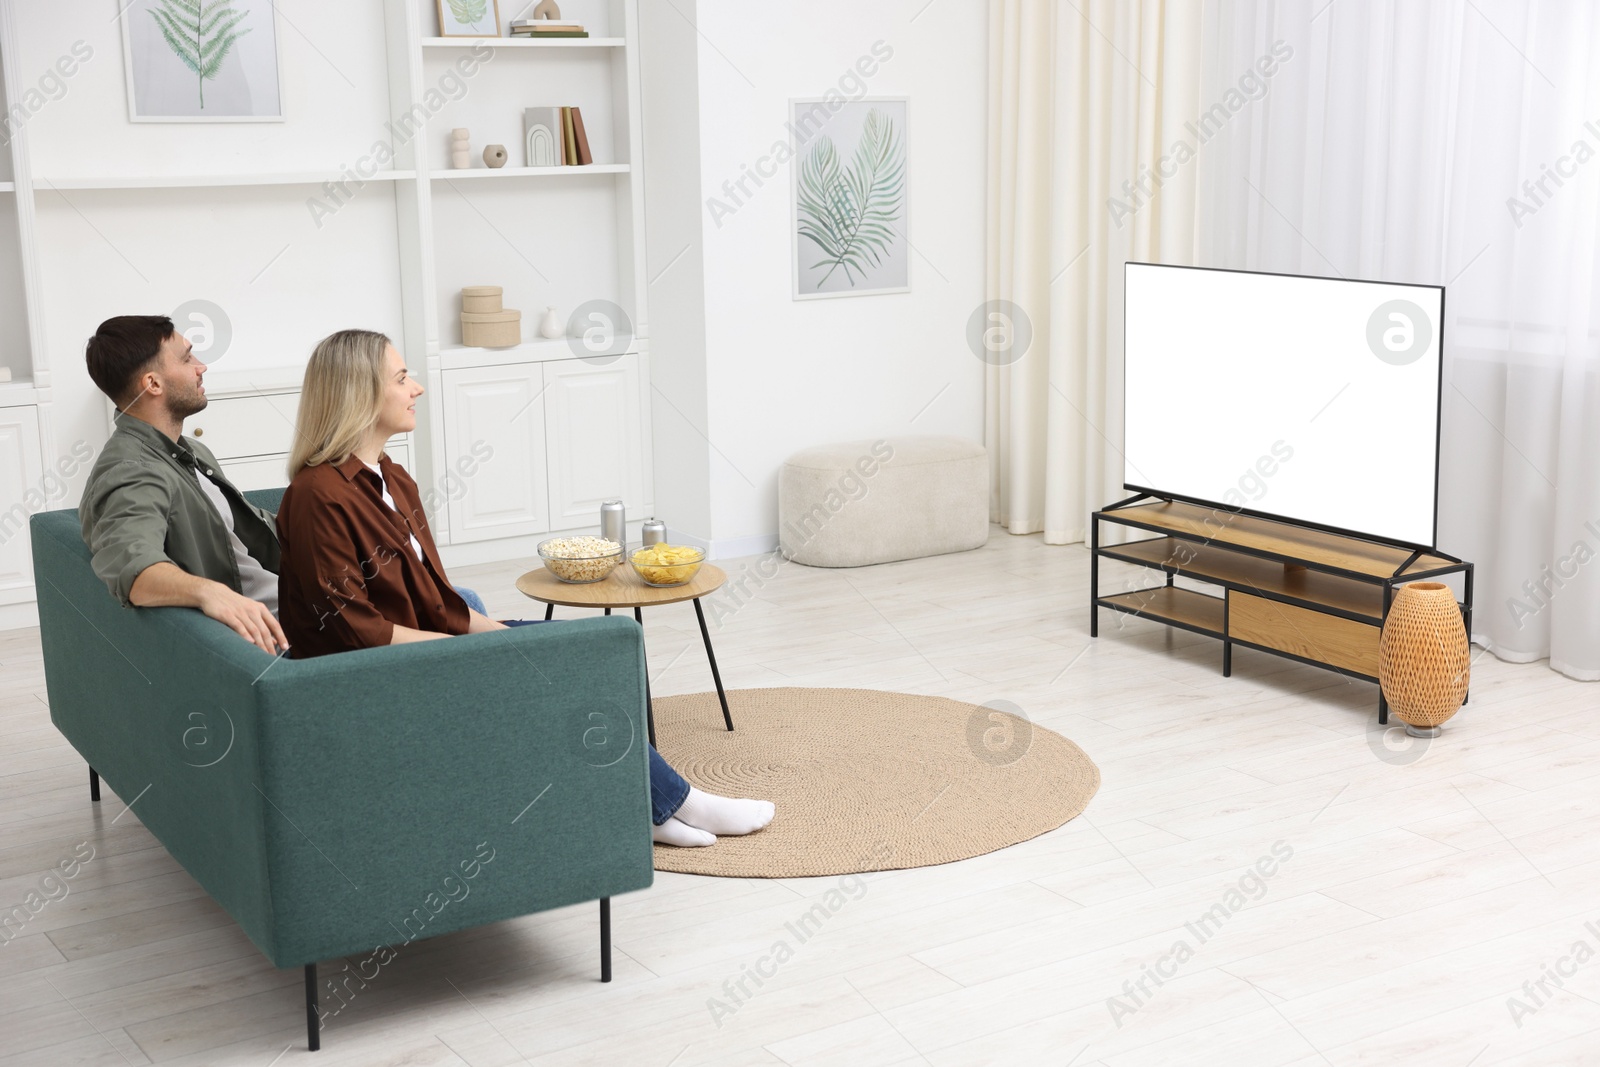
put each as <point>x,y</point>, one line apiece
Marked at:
<point>863,502</point>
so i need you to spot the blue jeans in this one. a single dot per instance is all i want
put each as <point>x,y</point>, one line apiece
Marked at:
<point>668,789</point>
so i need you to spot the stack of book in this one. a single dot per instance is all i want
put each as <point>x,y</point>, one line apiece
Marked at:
<point>543,28</point>
<point>555,137</point>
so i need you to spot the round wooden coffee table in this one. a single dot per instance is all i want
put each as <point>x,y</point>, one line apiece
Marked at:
<point>624,589</point>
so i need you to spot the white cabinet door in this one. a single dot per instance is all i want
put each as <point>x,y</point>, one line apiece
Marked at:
<point>22,492</point>
<point>494,429</point>
<point>596,439</point>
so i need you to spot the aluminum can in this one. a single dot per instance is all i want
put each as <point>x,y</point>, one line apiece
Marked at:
<point>613,521</point>
<point>653,532</point>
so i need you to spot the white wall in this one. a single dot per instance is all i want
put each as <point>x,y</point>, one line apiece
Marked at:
<point>675,269</point>
<point>784,374</point>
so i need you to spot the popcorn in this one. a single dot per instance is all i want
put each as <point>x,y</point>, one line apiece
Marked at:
<point>580,559</point>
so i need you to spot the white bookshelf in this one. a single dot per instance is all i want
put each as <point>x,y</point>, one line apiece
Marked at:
<point>92,206</point>
<point>550,236</point>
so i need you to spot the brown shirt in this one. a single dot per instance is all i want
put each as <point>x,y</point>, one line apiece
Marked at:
<point>348,574</point>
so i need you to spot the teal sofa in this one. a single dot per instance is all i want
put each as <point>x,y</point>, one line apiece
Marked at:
<point>350,804</point>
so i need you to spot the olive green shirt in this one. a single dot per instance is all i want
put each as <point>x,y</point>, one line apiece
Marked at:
<point>142,505</point>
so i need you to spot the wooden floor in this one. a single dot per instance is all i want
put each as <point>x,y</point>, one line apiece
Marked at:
<point>1412,896</point>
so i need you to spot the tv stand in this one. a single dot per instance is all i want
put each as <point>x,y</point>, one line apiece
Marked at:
<point>1295,591</point>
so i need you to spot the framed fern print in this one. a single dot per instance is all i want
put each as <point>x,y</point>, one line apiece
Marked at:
<point>469,18</point>
<point>849,209</point>
<point>202,61</point>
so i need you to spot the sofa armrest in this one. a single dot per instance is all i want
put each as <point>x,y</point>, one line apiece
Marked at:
<point>387,772</point>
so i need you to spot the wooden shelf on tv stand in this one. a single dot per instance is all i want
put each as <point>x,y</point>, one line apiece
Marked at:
<point>1295,591</point>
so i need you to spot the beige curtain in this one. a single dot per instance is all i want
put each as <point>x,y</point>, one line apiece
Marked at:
<point>1084,96</point>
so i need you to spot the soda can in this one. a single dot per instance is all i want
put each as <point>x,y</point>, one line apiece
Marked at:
<point>653,532</point>
<point>613,521</point>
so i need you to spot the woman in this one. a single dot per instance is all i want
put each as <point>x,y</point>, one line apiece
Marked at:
<point>359,567</point>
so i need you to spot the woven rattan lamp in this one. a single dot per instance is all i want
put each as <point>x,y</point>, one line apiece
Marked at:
<point>1424,663</point>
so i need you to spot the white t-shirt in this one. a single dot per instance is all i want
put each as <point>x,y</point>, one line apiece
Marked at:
<point>416,546</point>
<point>256,581</point>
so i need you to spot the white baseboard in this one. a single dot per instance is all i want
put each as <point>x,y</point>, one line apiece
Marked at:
<point>19,616</point>
<point>734,547</point>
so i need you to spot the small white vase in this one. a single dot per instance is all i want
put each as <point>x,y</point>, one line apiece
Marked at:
<point>550,325</point>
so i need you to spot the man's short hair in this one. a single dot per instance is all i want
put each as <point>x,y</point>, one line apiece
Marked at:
<point>123,347</point>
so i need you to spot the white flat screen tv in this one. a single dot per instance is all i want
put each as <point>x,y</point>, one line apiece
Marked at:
<point>1302,398</point>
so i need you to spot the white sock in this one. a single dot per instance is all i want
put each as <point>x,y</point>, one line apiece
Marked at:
<point>724,816</point>
<point>674,832</point>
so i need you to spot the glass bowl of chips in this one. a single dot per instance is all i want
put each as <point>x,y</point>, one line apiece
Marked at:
<point>666,565</point>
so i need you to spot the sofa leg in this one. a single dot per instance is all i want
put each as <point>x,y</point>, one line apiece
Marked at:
<point>94,786</point>
<point>313,1030</point>
<point>605,939</point>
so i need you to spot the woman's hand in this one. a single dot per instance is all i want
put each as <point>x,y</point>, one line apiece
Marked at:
<point>482,624</point>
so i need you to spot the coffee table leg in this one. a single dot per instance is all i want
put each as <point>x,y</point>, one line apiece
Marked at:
<point>649,703</point>
<point>716,675</point>
<point>549,610</point>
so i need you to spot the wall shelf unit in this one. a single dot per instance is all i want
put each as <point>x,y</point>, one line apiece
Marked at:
<point>507,42</point>
<point>559,237</point>
<point>583,171</point>
<point>207,181</point>
<point>1306,594</point>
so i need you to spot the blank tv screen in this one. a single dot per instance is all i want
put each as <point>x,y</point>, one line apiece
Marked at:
<point>1313,399</point>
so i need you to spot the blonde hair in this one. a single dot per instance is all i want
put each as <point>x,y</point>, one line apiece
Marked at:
<point>340,399</point>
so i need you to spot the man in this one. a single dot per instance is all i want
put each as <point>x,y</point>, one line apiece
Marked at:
<point>165,526</point>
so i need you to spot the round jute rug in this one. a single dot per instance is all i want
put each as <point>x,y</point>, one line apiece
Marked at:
<point>866,780</point>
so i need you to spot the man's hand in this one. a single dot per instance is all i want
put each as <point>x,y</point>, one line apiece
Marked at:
<point>248,618</point>
<point>165,585</point>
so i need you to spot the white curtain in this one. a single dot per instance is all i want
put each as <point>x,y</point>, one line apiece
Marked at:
<point>1084,96</point>
<point>1452,142</point>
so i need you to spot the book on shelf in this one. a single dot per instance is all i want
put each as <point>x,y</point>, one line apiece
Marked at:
<point>546,36</point>
<point>569,144</point>
<point>580,140</point>
<point>544,24</point>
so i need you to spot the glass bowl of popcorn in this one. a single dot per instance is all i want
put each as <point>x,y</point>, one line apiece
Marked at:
<point>666,565</point>
<point>580,560</point>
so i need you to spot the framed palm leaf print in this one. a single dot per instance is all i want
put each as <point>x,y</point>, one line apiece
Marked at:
<point>849,206</point>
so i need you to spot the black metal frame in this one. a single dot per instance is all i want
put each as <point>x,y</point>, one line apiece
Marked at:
<point>1400,576</point>
<point>711,657</point>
